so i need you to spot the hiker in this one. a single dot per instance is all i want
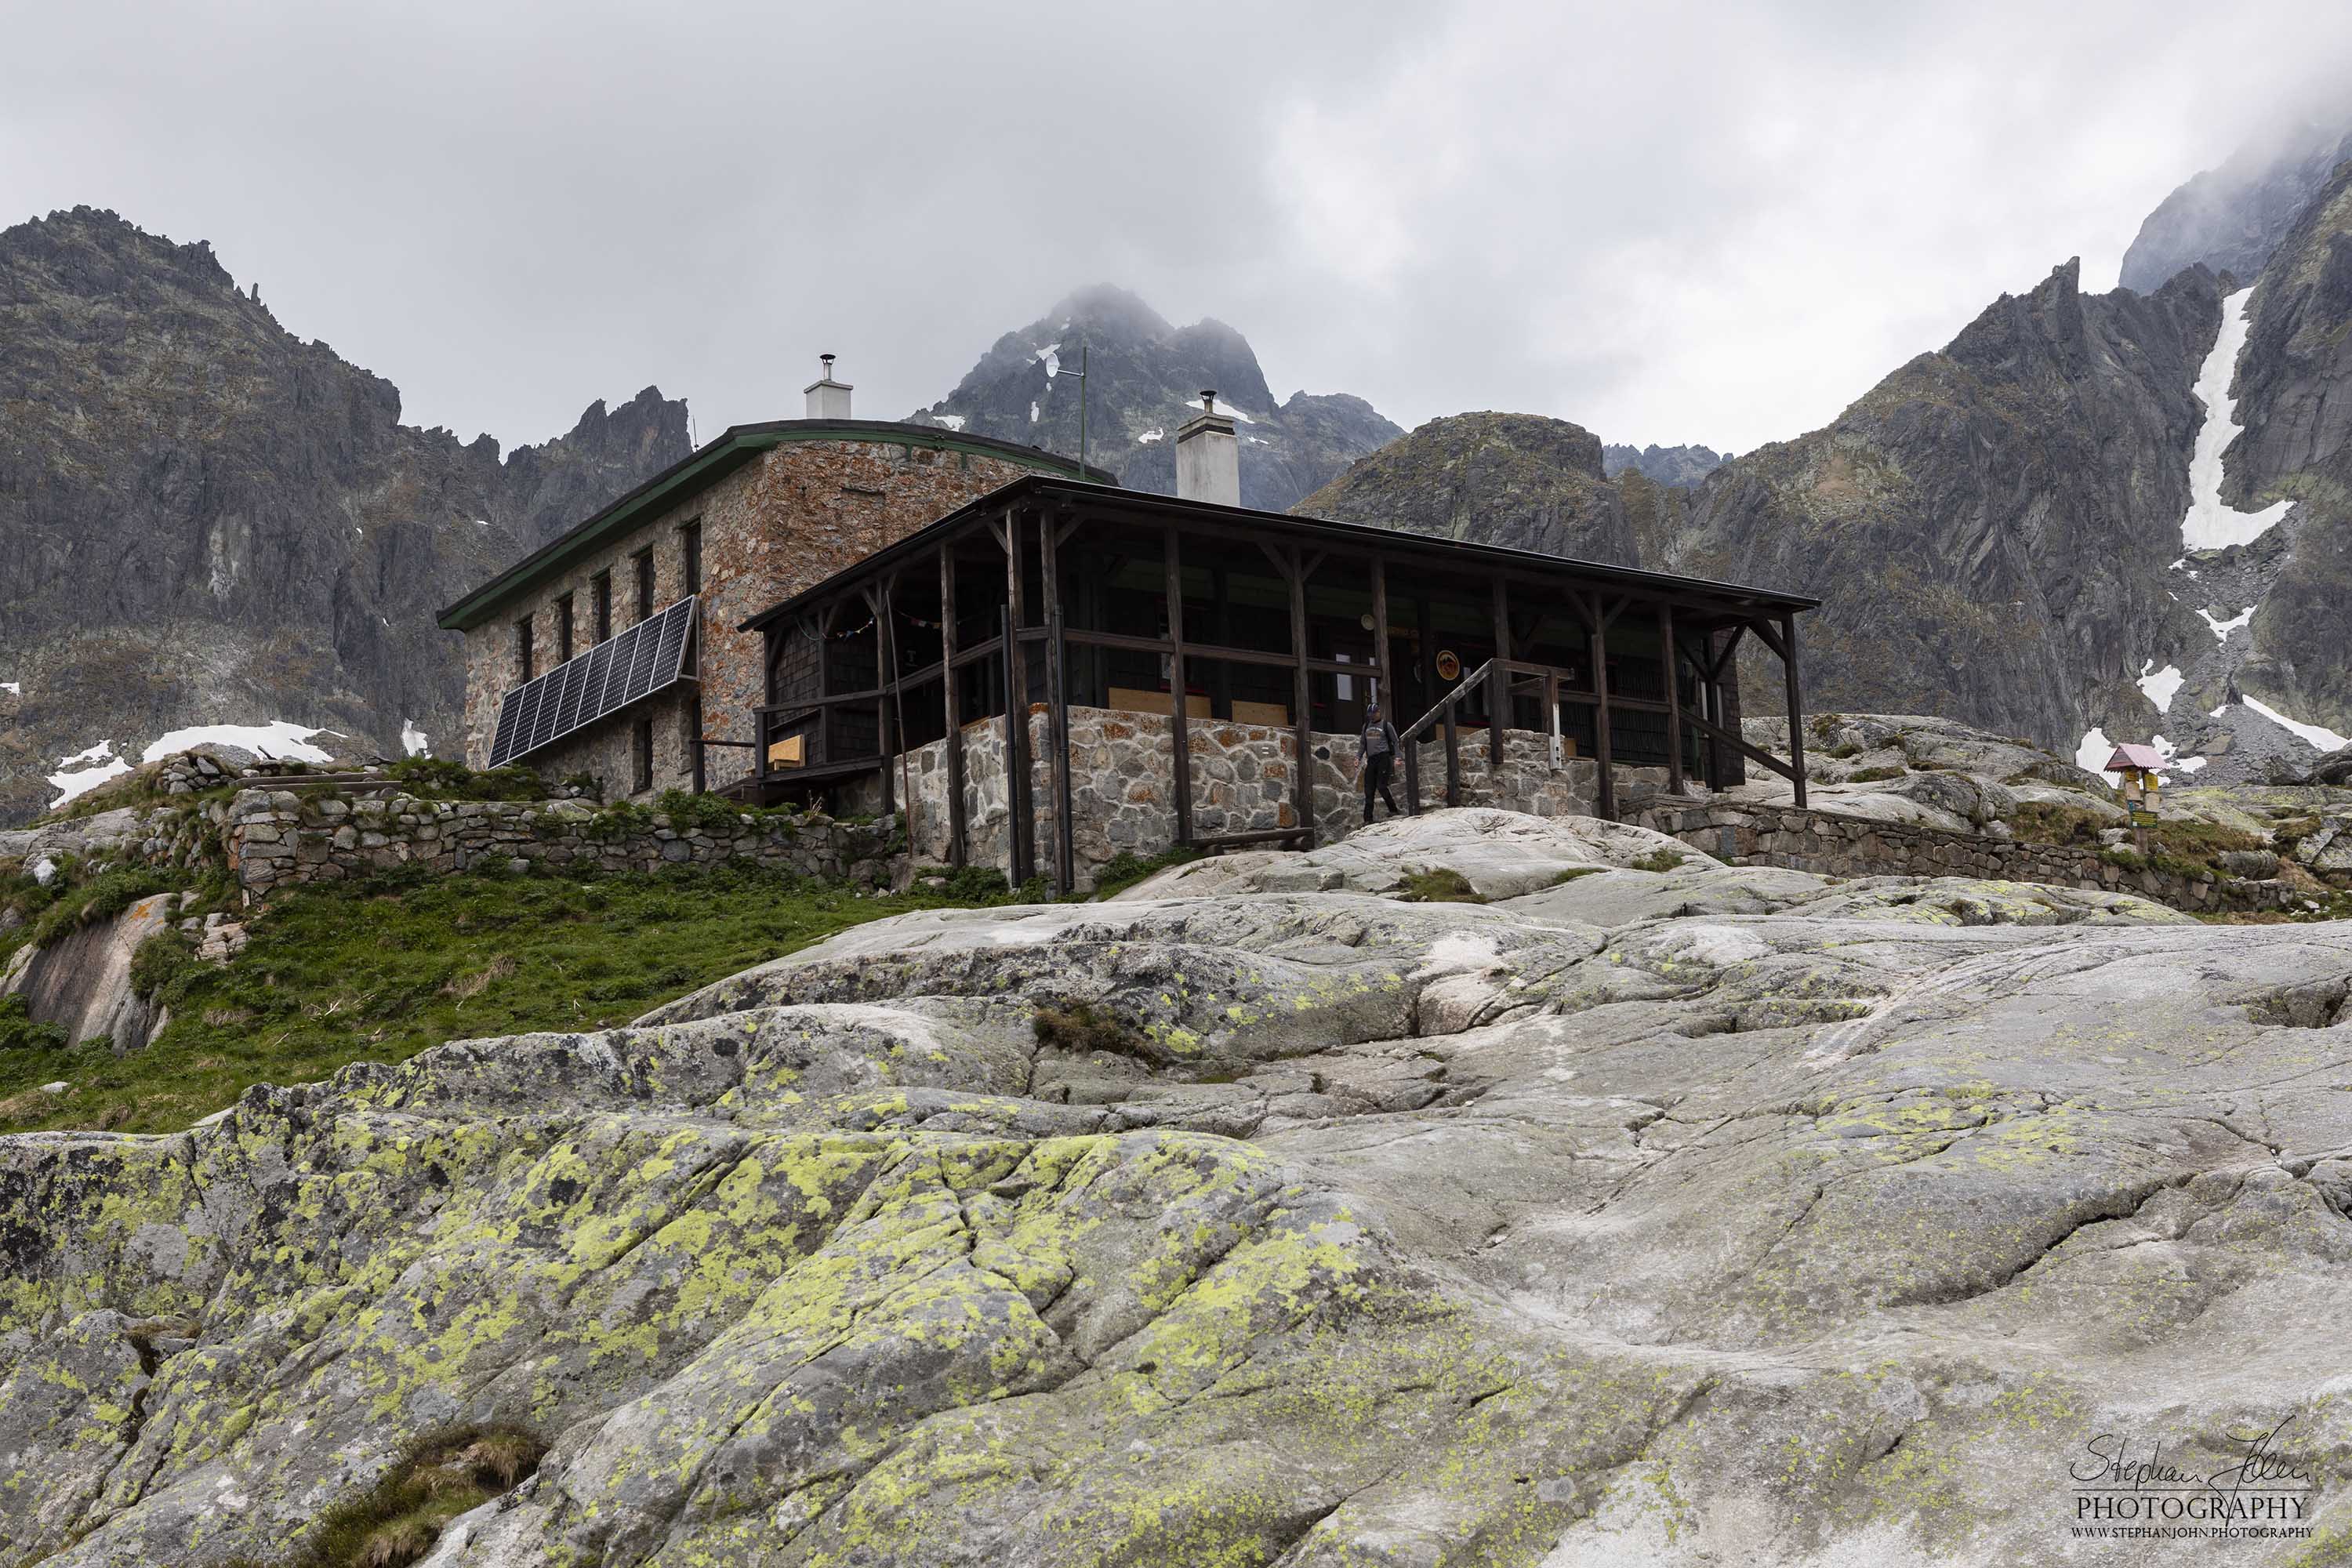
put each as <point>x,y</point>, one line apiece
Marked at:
<point>1377,744</point>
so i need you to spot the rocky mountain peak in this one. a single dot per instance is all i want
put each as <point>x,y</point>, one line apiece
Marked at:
<point>1143,377</point>
<point>1520,480</point>
<point>208,521</point>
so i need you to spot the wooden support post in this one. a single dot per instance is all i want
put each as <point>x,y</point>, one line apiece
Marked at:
<point>886,683</point>
<point>1453,758</point>
<point>1673,699</point>
<point>1499,684</point>
<point>1057,712</point>
<point>1381,632</point>
<point>1020,827</point>
<point>1796,702</point>
<point>1551,713</point>
<point>951,707</point>
<point>1607,792</point>
<point>1302,780</point>
<point>1178,719</point>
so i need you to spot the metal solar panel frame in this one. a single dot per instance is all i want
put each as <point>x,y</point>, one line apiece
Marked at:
<point>624,669</point>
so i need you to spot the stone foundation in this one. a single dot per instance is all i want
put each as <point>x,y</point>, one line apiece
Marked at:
<point>1831,844</point>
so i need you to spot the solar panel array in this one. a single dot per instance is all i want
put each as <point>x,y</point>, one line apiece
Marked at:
<point>576,693</point>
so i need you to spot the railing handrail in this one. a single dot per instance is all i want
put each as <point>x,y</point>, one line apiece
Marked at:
<point>1461,689</point>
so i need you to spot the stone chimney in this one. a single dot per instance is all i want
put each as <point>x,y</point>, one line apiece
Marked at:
<point>827,398</point>
<point>1208,458</point>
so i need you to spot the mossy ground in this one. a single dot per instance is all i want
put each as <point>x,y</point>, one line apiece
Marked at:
<point>379,972</point>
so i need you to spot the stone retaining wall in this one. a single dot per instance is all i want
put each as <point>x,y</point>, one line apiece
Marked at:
<point>275,838</point>
<point>1831,844</point>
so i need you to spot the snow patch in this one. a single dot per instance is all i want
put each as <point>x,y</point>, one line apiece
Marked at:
<point>2319,735</point>
<point>481,522</point>
<point>1227,409</point>
<point>952,421</point>
<point>2222,629</point>
<point>2161,687</point>
<point>11,688</point>
<point>412,738</point>
<point>280,738</point>
<point>2212,524</point>
<point>85,771</point>
<point>1157,432</point>
<point>1033,413</point>
<point>2190,764</point>
<point>2095,749</point>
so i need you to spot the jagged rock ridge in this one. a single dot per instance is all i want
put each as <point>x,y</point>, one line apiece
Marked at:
<point>1678,465</point>
<point>1145,378</point>
<point>205,518</point>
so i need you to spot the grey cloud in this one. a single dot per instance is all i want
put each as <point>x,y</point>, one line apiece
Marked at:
<point>1667,222</point>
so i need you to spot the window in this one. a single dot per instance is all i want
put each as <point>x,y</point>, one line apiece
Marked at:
<point>563,630</point>
<point>642,744</point>
<point>689,550</point>
<point>600,593</point>
<point>644,561</point>
<point>522,648</point>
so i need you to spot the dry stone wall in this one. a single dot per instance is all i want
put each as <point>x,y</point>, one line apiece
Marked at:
<point>277,838</point>
<point>1832,845</point>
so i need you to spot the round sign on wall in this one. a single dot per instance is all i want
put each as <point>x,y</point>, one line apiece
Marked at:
<point>1449,667</point>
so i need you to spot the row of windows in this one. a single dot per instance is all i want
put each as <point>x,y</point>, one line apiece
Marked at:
<point>600,600</point>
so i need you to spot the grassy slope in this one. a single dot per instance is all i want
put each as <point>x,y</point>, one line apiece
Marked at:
<point>338,974</point>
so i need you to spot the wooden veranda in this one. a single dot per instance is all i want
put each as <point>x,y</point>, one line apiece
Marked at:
<point>1050,593</point>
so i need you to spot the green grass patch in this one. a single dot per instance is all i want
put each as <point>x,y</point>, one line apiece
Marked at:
<point>2050,822</point>
<point>379,971</point>
<point>436,778</point>
<point>1442,885</point>
<point>1573,872</point>
<point>1126,868</point>
<point>1660,860</point>
<point>1079,1028</point>
<point>398,1519</point>
<point>1872,775</point>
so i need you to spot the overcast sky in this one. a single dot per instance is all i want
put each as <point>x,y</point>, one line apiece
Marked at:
<point>1669,223</point>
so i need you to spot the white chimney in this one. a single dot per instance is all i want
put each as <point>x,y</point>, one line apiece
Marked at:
<point>1208,458</point>
<point>827,398</point>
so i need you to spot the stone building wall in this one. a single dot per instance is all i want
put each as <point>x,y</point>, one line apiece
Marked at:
<point>1831,844</point>
<point>788,519</point>
<point>1121,800</point>
<point>278,838</point>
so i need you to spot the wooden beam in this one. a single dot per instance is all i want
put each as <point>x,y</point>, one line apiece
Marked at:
<point>1453,758</point>
<point>1607,787</point>
<point>1796,704</point>
<point>1672,664</point>
<point>951,707</point>
<point>1020,843</point>
<point>1302,782</point>
<point>1380,629</point>
<point>1738,743</point>
<point>1057,712</point>
<point>1180,737</point>
<point>1498,691</point>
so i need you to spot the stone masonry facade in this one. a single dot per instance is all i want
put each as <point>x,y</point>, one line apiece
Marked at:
<point>790,517</point>
<point>1121,799</point>
<point>1832,845</point>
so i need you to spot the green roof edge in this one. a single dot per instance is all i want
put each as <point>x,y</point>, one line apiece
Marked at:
<point>701,468</point>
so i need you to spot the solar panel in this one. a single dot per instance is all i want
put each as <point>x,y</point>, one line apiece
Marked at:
<point>616,672</point>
